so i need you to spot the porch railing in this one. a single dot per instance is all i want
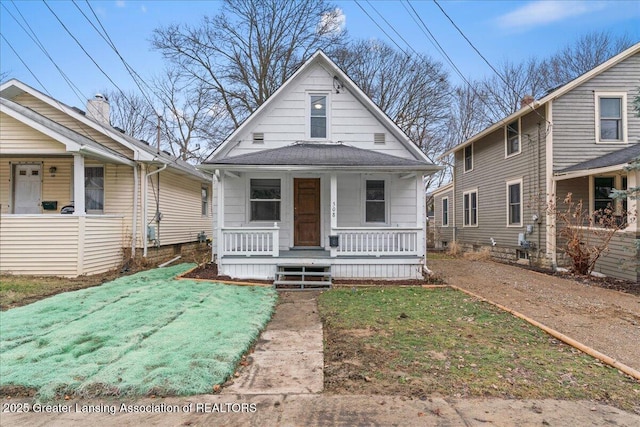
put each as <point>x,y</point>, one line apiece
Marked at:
<point>379,241</point>
<point>250,241</point>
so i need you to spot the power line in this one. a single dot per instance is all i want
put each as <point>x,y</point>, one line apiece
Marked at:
<point>32,35</point>
<point>486,60</point>
<point>414,14</point>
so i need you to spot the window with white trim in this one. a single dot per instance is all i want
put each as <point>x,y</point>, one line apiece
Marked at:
<point>468,158</point>
<point>470,208</point>
<point>265,199</point>
<point>512,138</point>
<point>611,114</point>
<point>204,192</point>
<point>375,203</point>
<point>445,211</point>
<point>94,189</point>
<point>318,116</point>
<point>514,203</point>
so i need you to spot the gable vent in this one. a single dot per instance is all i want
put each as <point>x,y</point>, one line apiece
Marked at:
<point>258,138</point>
<point>378,138</point>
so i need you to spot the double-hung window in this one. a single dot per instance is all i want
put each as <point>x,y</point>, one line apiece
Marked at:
<point>512,135</point>
<point>611,111</point>
<point>445,211</point>
<point>468,158</point>
<point>375,204</point>
<point>204,194</point>
<point>265,198</point>
<point>470,208</point>
<point>94,189</point>
<point>318,116</point>
<point>514,203</point>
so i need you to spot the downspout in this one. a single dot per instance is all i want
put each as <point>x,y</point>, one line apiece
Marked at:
<point>134,226</point>
<point>145,208</point>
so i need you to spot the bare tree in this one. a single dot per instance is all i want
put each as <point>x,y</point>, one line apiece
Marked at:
<point>413,90</point>
<point>133,114</point>
<point>248,50</point>
<point>504,92</point>
<point>586,53</point>
<point>4,75</point>
<point>194,121</point>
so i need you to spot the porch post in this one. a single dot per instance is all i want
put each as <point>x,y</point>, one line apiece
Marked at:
<point>633,181</point>
<point>334,210</point>
<point>220,190</point>
<point>78,185</point>
<point>421,217</point>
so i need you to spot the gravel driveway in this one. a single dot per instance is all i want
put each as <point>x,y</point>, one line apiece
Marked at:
<point>606,320</point>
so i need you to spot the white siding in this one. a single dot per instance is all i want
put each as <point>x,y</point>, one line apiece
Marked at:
<point>284,123</point>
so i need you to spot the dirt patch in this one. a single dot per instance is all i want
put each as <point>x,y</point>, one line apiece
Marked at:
<point>602,313</point>
<point>210,272</point>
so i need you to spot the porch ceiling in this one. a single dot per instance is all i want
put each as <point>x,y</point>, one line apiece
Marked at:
<point>320,156</point>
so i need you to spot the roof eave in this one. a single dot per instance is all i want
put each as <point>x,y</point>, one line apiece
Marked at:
<point>211,167</point>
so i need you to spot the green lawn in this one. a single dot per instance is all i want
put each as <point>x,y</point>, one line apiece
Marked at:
<point>421,342</point>
<point>141,334</point>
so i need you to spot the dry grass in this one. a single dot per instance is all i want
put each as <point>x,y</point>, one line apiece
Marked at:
<point>454,248</point>
<point>483,254</point>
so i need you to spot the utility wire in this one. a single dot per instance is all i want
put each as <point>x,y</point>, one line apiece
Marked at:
<point>421,24</point>
<point>32,35</point>
<point>486,60</point>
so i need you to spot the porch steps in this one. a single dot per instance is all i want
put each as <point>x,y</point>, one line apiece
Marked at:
<point>293,277</point>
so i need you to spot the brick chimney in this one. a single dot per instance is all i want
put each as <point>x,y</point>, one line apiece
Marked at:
<point>98,109</point>
<point>526,100</point>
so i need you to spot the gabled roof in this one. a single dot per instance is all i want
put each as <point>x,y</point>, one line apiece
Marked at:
<point>320,58</point>
<point>322,155</point>
<point>550,96</point>
<point>73,141</point>
<point>141,151</point>
<point>618,159</point>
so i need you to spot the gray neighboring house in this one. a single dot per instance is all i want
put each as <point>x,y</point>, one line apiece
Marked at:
<point>577,139</point>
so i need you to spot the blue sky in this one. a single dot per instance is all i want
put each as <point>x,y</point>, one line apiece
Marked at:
<point>513,30</point>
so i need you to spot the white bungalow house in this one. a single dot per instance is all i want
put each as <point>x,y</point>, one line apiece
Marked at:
<point>319,183</point>
<point>127,196</point>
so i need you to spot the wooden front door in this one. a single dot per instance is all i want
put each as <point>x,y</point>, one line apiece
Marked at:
<point>306,211</point>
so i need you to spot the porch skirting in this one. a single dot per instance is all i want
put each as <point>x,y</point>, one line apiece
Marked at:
<point>377,268</point>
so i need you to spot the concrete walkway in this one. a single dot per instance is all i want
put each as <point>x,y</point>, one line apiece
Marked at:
<point>288,358</point>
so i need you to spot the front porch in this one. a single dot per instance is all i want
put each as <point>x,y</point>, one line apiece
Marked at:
<point>341,222</point>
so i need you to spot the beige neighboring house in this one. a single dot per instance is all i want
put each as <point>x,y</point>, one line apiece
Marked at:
<point>127,197</point>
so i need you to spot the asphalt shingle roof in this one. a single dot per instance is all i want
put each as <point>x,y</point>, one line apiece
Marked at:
<point>619,157</point>
<point>319,155</point>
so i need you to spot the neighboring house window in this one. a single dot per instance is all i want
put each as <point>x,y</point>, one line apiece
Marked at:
<point>470,207</point>
<point>318,116</point>
<point>445,211</point>
<point>94,189</point>
<point>205,200</point>
<point>375,206</point>
<point>265,199</point>
<point>611,112</point>
<point>514,203</point>
<point>512,133</point>
<point>602,199</point>
<point>468,158</point>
